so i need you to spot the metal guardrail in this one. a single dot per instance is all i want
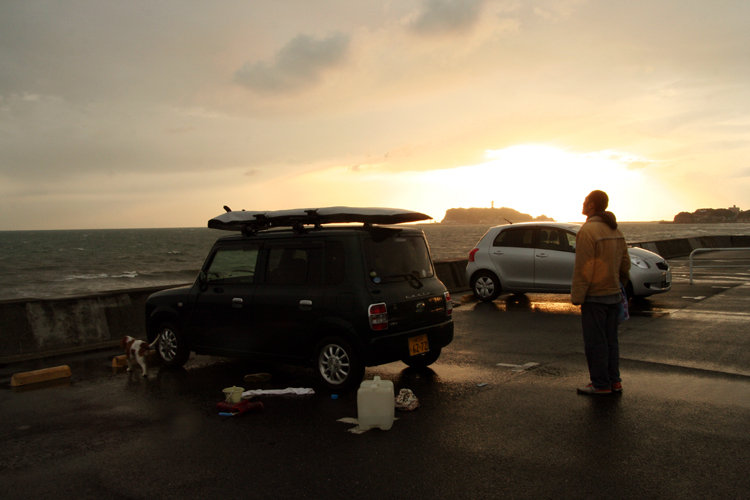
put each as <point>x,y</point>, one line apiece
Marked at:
<point>713,250</point>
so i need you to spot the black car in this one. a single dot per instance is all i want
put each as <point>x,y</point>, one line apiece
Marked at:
<point>291,288</point>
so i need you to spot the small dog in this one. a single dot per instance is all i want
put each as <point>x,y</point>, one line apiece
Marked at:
<point>137,350</point>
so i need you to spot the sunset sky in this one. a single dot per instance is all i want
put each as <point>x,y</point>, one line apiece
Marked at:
<point>157,113</point>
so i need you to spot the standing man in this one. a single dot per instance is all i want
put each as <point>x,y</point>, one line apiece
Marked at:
<point>602,263</point>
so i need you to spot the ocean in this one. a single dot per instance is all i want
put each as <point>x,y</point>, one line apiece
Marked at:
<point>49,264</point>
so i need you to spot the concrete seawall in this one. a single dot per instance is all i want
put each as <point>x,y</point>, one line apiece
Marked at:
<point>31,328</point>
<point>681,247</point>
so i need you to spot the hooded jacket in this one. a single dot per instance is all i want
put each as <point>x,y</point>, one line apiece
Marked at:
<point>602,260</point>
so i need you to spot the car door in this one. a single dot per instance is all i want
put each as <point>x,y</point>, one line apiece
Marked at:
<point>220,319</point>
<point>554,259</point>
<point>512,254</point>
<point>290,300</point>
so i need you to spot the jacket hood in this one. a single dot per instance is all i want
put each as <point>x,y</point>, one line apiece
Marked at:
<point>606,217</point>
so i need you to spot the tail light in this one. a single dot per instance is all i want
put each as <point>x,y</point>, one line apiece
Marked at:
<point>471,254</point>
<point>448,303</point>
<point>378,314</point>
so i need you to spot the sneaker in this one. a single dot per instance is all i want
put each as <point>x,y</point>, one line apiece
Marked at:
<point>617,387</point>
<point>590,389</point>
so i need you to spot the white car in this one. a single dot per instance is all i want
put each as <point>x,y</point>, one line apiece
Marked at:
<point>538,257</point>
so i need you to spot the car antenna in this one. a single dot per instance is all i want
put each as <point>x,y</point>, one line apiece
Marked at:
<point>227,208</point>
<point>509,222</point>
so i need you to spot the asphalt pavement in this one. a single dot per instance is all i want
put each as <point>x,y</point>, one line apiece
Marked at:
<point>499,416</point>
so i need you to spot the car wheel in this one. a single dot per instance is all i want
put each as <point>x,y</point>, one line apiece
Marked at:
<point>422,360</point>
<point>172,347</point>
<point>337,365</point>
<point>486,286</point>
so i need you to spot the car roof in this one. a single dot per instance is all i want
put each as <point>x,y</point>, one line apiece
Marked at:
<point>570,226</point>
<point>329,230</point>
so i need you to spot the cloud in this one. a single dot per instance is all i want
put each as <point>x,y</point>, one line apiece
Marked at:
<point>739,173</point>
<point>637,165</point>
<point>118,98</point>
<point>297,66</point>
<point>448,17</point>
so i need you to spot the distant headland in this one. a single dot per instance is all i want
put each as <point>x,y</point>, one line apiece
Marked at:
<point>494,216</point>
<point>713,215</point>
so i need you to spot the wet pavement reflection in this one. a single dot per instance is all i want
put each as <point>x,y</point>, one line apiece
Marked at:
<point>498,417</point>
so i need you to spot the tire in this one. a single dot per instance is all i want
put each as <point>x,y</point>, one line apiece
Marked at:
<point>337,364</point>
<point>422,360</point>
<point>172,348</point>
<point>486,286</point>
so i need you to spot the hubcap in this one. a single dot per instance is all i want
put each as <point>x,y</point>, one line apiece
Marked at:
<point>484,287</point>
<point>168,344</point>
<point>333,364</point>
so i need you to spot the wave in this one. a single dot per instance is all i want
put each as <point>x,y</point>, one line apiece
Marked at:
<point>59,263</point>
<point>126,274</point>
<point>143,275</point>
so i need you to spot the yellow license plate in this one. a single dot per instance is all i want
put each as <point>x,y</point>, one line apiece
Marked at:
<point>418,345</point>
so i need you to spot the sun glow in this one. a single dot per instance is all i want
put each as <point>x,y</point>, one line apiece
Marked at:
<point>550,181</point>
<point>538,180</point>
<point>533,179</point>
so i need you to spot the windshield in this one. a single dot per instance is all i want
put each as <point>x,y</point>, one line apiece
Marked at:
<point>398,258</point>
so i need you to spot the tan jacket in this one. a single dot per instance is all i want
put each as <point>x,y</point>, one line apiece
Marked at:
<point>602,260</point>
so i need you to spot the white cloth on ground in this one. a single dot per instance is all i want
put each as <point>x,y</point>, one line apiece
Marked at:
<point>288,390</point>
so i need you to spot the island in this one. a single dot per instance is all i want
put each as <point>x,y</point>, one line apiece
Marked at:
<point>493,216</point>
<point>713,215</point>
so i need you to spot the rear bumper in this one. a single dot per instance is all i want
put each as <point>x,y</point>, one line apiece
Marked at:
<point>390,348</point>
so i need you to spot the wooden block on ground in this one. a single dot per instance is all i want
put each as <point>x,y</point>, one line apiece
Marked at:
<point>119,361</point>
<point>37,376</point>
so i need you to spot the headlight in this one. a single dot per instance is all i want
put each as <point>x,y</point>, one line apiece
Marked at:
<point>637,261</point>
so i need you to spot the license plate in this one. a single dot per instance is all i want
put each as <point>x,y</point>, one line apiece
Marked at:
<point>418,345</point>
<point>667,279</point>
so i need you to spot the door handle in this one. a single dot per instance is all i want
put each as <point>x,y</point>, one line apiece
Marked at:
<point>305,303</point>
<point>542,255</point>
<point>237,303</point>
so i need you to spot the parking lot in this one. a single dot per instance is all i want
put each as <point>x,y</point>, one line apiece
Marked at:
<point>498,418</point>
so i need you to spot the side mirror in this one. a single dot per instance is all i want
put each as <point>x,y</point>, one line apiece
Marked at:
<point>203,281</point>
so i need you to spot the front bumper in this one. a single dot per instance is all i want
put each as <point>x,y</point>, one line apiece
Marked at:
<point>652,284</point>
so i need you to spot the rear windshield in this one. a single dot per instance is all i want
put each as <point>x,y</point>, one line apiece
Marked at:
<point>398,258</point>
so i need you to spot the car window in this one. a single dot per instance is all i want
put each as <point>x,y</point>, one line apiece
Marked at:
<point>515,237</point>
<point>397,257</point>
<point>571,237</point>
<point>551,238</point>
<point>233,265</point>
<point>294,266</point>
<point>334,262</point>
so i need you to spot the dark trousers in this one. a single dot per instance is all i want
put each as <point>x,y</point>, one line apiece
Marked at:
<point>600,340</point>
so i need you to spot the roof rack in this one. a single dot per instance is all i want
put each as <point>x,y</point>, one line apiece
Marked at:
<point>250,222</point>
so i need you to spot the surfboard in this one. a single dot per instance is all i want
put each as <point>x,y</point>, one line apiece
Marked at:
<point>251,220</point>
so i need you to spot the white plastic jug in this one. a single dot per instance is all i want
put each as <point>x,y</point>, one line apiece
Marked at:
<point>375,404</point>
